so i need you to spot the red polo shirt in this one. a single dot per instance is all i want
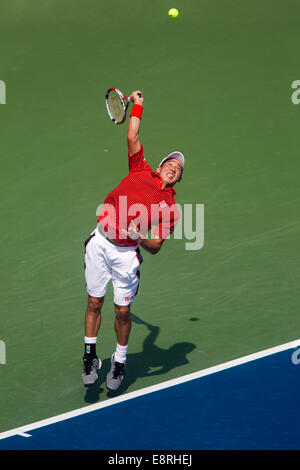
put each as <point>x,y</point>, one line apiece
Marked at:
<point>139,198</point>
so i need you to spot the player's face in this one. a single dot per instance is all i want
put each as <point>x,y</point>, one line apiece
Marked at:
<point>170,171</point>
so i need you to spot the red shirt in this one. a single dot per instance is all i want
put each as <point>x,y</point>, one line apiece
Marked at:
<point>139,198</point>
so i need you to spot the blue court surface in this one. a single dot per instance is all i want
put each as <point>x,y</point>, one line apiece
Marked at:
<point>248,404</point>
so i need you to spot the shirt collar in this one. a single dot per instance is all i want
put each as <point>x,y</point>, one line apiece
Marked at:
<point>158,181</point>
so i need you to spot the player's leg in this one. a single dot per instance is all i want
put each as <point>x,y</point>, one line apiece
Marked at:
<point>91,362</point>
<point>92,319</point>
<point>118,360</point>
<point>97,276</point>
<point>125,278</point>
<point>92,324</point>
<point>122,324</point>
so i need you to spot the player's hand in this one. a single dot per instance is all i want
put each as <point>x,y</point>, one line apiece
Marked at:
<point>136,99</point>
<point>133,233</point>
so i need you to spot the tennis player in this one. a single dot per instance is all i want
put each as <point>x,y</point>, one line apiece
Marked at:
<point>143,200</point>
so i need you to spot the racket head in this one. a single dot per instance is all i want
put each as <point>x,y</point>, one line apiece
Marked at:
<point>116,105</point>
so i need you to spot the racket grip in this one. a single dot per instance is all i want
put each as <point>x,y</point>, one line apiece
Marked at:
<point>129,100</point>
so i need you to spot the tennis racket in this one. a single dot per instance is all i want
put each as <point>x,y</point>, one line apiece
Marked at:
<point>117,104</point>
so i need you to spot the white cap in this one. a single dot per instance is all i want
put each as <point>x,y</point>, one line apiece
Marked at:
<point>178,156</point>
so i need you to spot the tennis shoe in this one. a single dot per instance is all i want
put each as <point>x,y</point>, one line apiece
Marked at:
<point>90,370</point>
<point>115,375</point>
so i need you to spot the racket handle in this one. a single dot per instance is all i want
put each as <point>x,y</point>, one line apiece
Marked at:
<point>129,100</point>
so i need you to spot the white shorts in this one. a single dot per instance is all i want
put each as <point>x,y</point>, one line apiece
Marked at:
<point>105,261</point>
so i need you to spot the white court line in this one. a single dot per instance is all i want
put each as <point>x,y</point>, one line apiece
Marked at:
<point>22,430</point>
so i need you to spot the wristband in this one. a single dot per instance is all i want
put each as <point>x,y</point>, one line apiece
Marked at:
<point>137,111</point>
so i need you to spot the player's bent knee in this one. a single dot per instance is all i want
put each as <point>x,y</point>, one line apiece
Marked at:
<point>123,311</point>
<point>95,304</point>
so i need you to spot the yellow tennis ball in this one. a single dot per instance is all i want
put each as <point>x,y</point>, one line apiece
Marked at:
<point>173,12</point>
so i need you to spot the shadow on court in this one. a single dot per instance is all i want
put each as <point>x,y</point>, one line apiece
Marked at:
<point>140,364</point>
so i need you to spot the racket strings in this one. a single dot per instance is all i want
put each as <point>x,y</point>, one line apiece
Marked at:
<point>115,106</point>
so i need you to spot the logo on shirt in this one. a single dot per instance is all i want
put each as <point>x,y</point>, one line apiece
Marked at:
<point>162,204</point>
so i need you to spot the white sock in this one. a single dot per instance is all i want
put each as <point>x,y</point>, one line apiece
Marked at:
<point>90,340</point>
<point>120,353</point>
<point>90,346</point>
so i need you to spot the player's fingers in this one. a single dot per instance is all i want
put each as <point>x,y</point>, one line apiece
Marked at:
<point>140,97</point>
<point>131,234</point>
<point>137,97</point>
<point>132,226</point>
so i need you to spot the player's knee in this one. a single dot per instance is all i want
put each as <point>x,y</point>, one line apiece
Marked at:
<point>95,304</point>
<point>123,312</point>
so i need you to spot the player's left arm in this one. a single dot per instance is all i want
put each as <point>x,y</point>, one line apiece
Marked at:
<point>151,245</point>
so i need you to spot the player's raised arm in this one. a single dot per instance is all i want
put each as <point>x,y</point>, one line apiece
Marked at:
<point>134,122</point>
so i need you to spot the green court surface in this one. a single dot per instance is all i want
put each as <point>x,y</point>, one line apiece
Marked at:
<point>217,86</point>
